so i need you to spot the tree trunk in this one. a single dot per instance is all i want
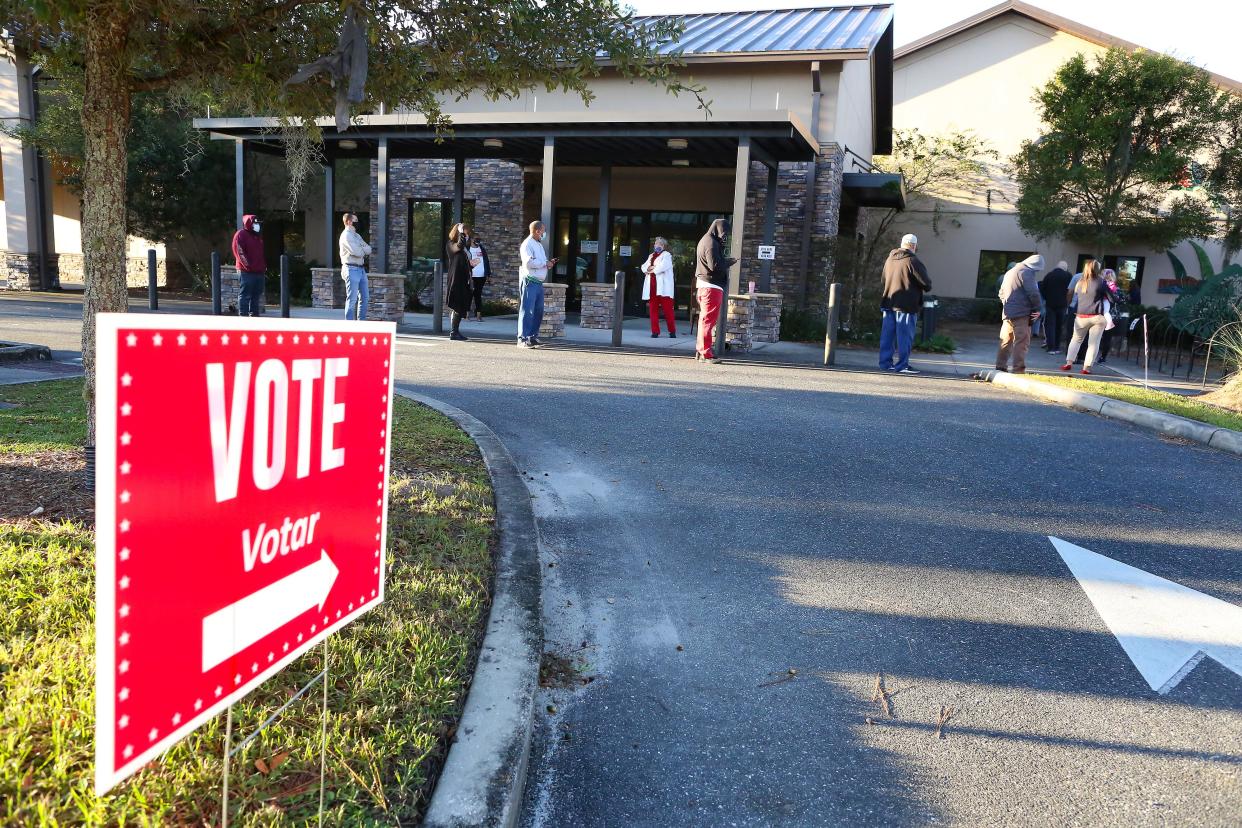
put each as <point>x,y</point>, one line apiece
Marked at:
<point>105,125</point>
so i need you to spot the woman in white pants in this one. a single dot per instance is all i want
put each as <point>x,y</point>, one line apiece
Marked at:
<point>1092,295</point>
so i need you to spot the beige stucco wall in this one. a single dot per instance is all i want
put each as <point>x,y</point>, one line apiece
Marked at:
<point>983,79</point>
<point>845,109</point>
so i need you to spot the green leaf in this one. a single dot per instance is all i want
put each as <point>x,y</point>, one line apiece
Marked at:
<point>1205,264</point>
<point>1179,269</point>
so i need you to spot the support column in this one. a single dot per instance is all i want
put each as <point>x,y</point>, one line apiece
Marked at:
<point>329,210</point>
<point>604,230</point>
<point>545,209</point>
<point>769,230</point>
<point>459,189</point>
<point>239,177</point>
<point>381,196</point>
<point>741,176</point>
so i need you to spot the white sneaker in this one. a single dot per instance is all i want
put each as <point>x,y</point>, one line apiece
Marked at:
<point>909,371</point>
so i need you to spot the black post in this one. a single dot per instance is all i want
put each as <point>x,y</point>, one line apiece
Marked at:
<point>437,300</point>
<point>284,285</point>
<point>834,318</point>
<point>153,297</point>
<point>618,306</point>
<point>215,282</point>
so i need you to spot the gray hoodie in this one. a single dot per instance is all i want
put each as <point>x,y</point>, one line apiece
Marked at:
<point>1019,290</point>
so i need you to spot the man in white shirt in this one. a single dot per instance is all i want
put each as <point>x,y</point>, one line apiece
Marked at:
<point>532,273</point>
<point>353,251</point>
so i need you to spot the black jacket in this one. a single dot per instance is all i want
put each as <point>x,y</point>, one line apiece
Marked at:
<point>1054,287</point>
<point>710,261</point>
<point>457,274</point>
<point>905,280</point>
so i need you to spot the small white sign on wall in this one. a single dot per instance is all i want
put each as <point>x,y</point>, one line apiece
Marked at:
<point>588,246</point>
<point>767,252</point>
<point>626,251</point>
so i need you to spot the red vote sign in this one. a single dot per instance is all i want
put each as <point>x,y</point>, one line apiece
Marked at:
<point>241,499</point>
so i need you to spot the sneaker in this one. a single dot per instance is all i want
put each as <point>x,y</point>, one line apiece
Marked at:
<point>522,343</point>
<point>672,334</point>
<point>655,336</point>
<point>460,337</point>
<point>534,342</point>
<point>909,371</point>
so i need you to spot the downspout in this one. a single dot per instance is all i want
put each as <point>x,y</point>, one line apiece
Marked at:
<point>808,214</point>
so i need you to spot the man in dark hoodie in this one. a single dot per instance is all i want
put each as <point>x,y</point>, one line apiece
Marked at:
<point>251,265</point>
<point>905,280</point>
<point>1053,288</point>
<point>711,281</point>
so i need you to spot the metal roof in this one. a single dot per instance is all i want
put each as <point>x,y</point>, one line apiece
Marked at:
<point>818,30</point>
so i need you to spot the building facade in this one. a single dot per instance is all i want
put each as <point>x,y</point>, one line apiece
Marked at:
<point>788,97</point>
<point>981,75</point>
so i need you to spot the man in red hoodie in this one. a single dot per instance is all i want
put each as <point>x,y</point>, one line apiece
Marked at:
<point>248,255</point>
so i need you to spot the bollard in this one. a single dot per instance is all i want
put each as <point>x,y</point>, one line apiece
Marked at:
<point>215,282</point>
<point>618,306</point>
<point>437,300</point>
<point>153,298</point>
<point>284,285</point>
<point>834,316</point>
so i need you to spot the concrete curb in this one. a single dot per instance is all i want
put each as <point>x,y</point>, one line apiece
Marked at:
<point>484,775</point>
<point>21,352</point>
<point>1224,439</point>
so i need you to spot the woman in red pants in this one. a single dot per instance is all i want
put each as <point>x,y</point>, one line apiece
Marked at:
<point>711,274</point>
<point>658,288</point>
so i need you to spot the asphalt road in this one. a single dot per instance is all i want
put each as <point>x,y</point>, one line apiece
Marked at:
<point>708,529</point>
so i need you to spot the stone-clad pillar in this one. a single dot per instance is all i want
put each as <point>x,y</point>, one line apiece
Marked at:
<point>598,301</point>
<point>553,310</point>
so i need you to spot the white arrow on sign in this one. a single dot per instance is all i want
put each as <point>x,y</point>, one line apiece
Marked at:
<point>228,631</point>
<point>1165,628</point>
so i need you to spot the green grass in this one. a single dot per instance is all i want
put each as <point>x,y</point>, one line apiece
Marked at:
<point>398,675</point>
<point>1159,400</point>
<point>50,416</point>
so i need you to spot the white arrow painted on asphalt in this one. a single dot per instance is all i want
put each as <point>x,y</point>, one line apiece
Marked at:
<point>228,631</point>
<point>1165,628</point>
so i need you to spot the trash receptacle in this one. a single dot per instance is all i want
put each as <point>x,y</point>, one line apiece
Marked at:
<point>930,306</point>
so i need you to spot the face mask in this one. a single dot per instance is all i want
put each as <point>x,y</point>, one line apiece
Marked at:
<point>659,249</point>
<point>255,226</point>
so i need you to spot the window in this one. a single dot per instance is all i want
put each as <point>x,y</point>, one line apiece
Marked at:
<point>427,231</point>
<point>993,265</point>
<point>1129,268</point>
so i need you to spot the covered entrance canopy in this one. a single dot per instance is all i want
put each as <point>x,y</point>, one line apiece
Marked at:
<point>729,139</point>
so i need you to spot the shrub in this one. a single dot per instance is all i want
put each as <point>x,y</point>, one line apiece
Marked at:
<point>938,344</point>
<point>802,325</point>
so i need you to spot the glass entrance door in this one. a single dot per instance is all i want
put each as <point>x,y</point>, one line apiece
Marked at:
<point>631,244</point>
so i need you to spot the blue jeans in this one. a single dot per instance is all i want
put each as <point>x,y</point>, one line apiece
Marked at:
<point>530,312</point>
<point>355,292</point>
<point>251,297</point>
<point>897,329</point>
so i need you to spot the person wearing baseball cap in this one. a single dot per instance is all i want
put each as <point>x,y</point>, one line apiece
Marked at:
<point>905,281</point>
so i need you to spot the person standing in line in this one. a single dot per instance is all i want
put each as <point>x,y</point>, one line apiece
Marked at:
<point>1115,301</point>
<point>481,269</point>
<point>711,276</point>
<point>532,273</point>
<point>354,250</point>
<point>658,287</point>
<point>251,266</point>
<point>1019,296</point>
<point>1053,288</point>
<point>905,281</point>
<point>457,252</point>
<point>1092,294</point>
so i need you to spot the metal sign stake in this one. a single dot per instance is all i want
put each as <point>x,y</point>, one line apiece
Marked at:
<point>323,732</point>
<point>228,739</point>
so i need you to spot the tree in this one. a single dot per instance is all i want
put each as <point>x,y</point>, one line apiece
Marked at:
<point>179,186</point>
<point>931,166</point>
<point>1119,134</point>
<point>241,52</point>
<point>1224,178</point>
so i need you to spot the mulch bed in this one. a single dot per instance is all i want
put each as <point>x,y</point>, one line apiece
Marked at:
<point>54,481</point>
